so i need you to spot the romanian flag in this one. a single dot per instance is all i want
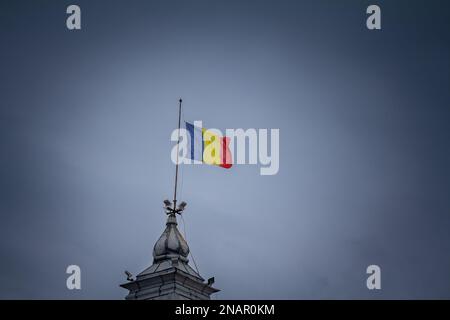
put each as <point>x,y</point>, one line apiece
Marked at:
<point>205,146</point>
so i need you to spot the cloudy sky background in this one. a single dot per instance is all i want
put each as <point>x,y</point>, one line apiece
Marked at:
<point>85,124</point>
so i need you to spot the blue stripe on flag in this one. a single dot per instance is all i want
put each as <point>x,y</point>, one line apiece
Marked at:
<point>190,129</point>
<point>195,142</point>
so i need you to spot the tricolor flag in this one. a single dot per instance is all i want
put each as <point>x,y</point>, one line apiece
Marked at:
<point>205,146</point>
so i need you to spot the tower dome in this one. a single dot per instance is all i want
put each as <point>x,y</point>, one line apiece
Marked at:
<point>171,243</point>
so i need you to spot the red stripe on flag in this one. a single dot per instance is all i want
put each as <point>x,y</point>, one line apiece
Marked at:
<point>226,153</point>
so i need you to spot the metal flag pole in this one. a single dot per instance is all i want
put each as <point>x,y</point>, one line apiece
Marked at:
<point>176,168</point>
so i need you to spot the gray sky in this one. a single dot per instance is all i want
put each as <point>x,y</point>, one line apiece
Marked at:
<point>85,124</point>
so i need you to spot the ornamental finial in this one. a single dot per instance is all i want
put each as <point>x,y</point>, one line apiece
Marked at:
<point>171,210</point>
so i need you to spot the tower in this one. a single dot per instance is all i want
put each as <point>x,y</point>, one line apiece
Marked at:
<point>170,277</point>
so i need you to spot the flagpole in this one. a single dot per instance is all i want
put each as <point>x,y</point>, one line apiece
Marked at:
<point>178,146</point>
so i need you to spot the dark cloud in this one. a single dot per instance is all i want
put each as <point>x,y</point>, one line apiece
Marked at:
<point>85,129</point>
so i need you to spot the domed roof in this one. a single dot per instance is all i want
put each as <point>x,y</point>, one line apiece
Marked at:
<point>171,243</point>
